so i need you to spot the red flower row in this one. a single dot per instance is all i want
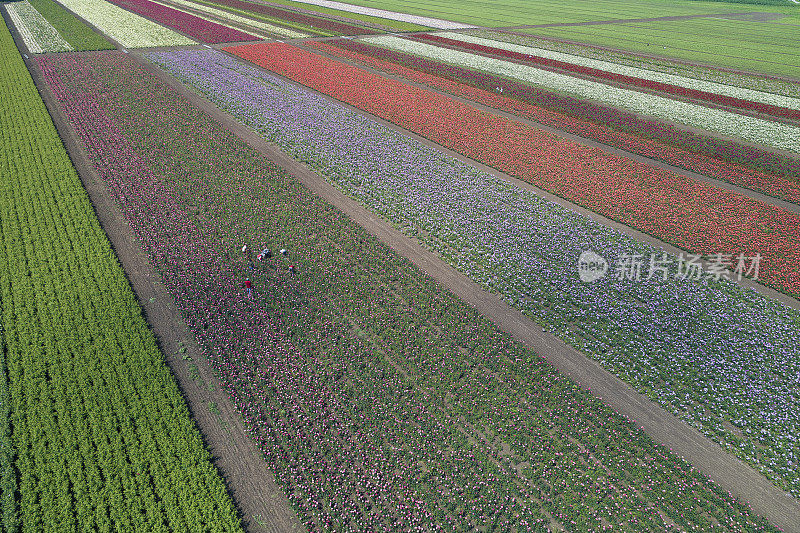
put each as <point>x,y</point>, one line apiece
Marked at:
<point>769,184</point>
<point>195,27</point>
<point>605,116</point>
<point>666,88</point>
<point>690,214</point>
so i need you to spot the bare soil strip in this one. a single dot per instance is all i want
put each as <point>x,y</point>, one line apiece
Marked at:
<point>262,504</point>
<point>730,473</point>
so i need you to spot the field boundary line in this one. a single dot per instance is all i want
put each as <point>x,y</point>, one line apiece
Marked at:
<point>261,503</point>
<point>733,475</point>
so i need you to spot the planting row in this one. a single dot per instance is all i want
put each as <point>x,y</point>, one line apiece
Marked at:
<point>736,363</point>
<point>95,434</point>
<point>478,90</point>
<point>236,20</point>
<point>689,213</point>
<point>45,26</point>
<point>38,34</point>
<point>734,97</point>
<point>675,69</point>
<point>379,400</point>
<point>312,23</point>
<point>759,131</point>
<point>126,28</point>
<point>197,28</point>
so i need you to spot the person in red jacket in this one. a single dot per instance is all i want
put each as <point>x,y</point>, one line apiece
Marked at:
<point>248,285</point>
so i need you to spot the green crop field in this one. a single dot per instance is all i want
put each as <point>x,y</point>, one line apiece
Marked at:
<point>767,47</point>
<point>94,433</point>
<point>517,12</point>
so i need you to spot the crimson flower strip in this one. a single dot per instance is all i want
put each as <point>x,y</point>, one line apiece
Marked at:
<point>605,116</point>
<point>195,27</point>
<point>690,214</point>
<point>324,24</point>
<point>666,88</point>
<point>769,184</point>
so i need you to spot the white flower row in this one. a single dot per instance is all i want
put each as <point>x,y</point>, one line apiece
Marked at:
<point>39,35</point>
<point>213,12</point>
<point>128,29</point>
<point>625,70</point>
<point>752,129</point>
<point>391,15</point>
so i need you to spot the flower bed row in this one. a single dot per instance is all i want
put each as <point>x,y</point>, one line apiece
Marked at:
<point>755,130</point>
<point>94,433</point>
<point>326,25</point>
<point>633,81</point>
<point>756,88</point>
<point>203,30</point>
<point>394,62</point>
<point>362,382</point>
<point>38,34</point>
<point>590,111</point>
<point>236,19</point>
<point>126,28</point>
<point>710,352</point>
<point>691,214</point>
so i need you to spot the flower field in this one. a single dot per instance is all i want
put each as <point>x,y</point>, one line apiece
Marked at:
<point>756,130</point>
<point>75,32</point>
<point>526,249</point>
<point>38,34</point>
<point>786,188</point>
<point>304,22</point>
<point>238,20</point>
<point>197,28</point>
<point>94,433</point>
<point>691,214</point>
<point>585,111</point>
<point>732,97</point>
<point>379,400</point>
<point>126,28</point>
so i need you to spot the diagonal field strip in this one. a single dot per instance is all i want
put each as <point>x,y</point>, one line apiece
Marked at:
<point>583,139</point>
<point>391,15</point>
<point>730,473</point>
<point>256,494</point>
<point>622,21</point>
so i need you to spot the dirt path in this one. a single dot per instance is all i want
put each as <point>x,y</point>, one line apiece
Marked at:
<point>262,504</point>
<point>730,473</point>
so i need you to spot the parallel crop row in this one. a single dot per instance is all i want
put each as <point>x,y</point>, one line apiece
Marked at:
<point>527,249</point>
<point>628,80</point>
<point>590,112</point>
<point>75,32</point>
<point>126,28</point>
<point>379,400</point>
<point>478,90</point>
<point>691,214</point>
<point>203,30</point>
<point>102,438</point>
<point>752,129</point>
<point>37,34</point>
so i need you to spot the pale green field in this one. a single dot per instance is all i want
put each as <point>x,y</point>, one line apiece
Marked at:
<point>765,47</point>
<point>497,13</point>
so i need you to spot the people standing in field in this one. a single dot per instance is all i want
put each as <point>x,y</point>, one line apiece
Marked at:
<point>248,286</point>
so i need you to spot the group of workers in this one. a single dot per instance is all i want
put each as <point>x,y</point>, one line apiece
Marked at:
<point>265,253</point>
